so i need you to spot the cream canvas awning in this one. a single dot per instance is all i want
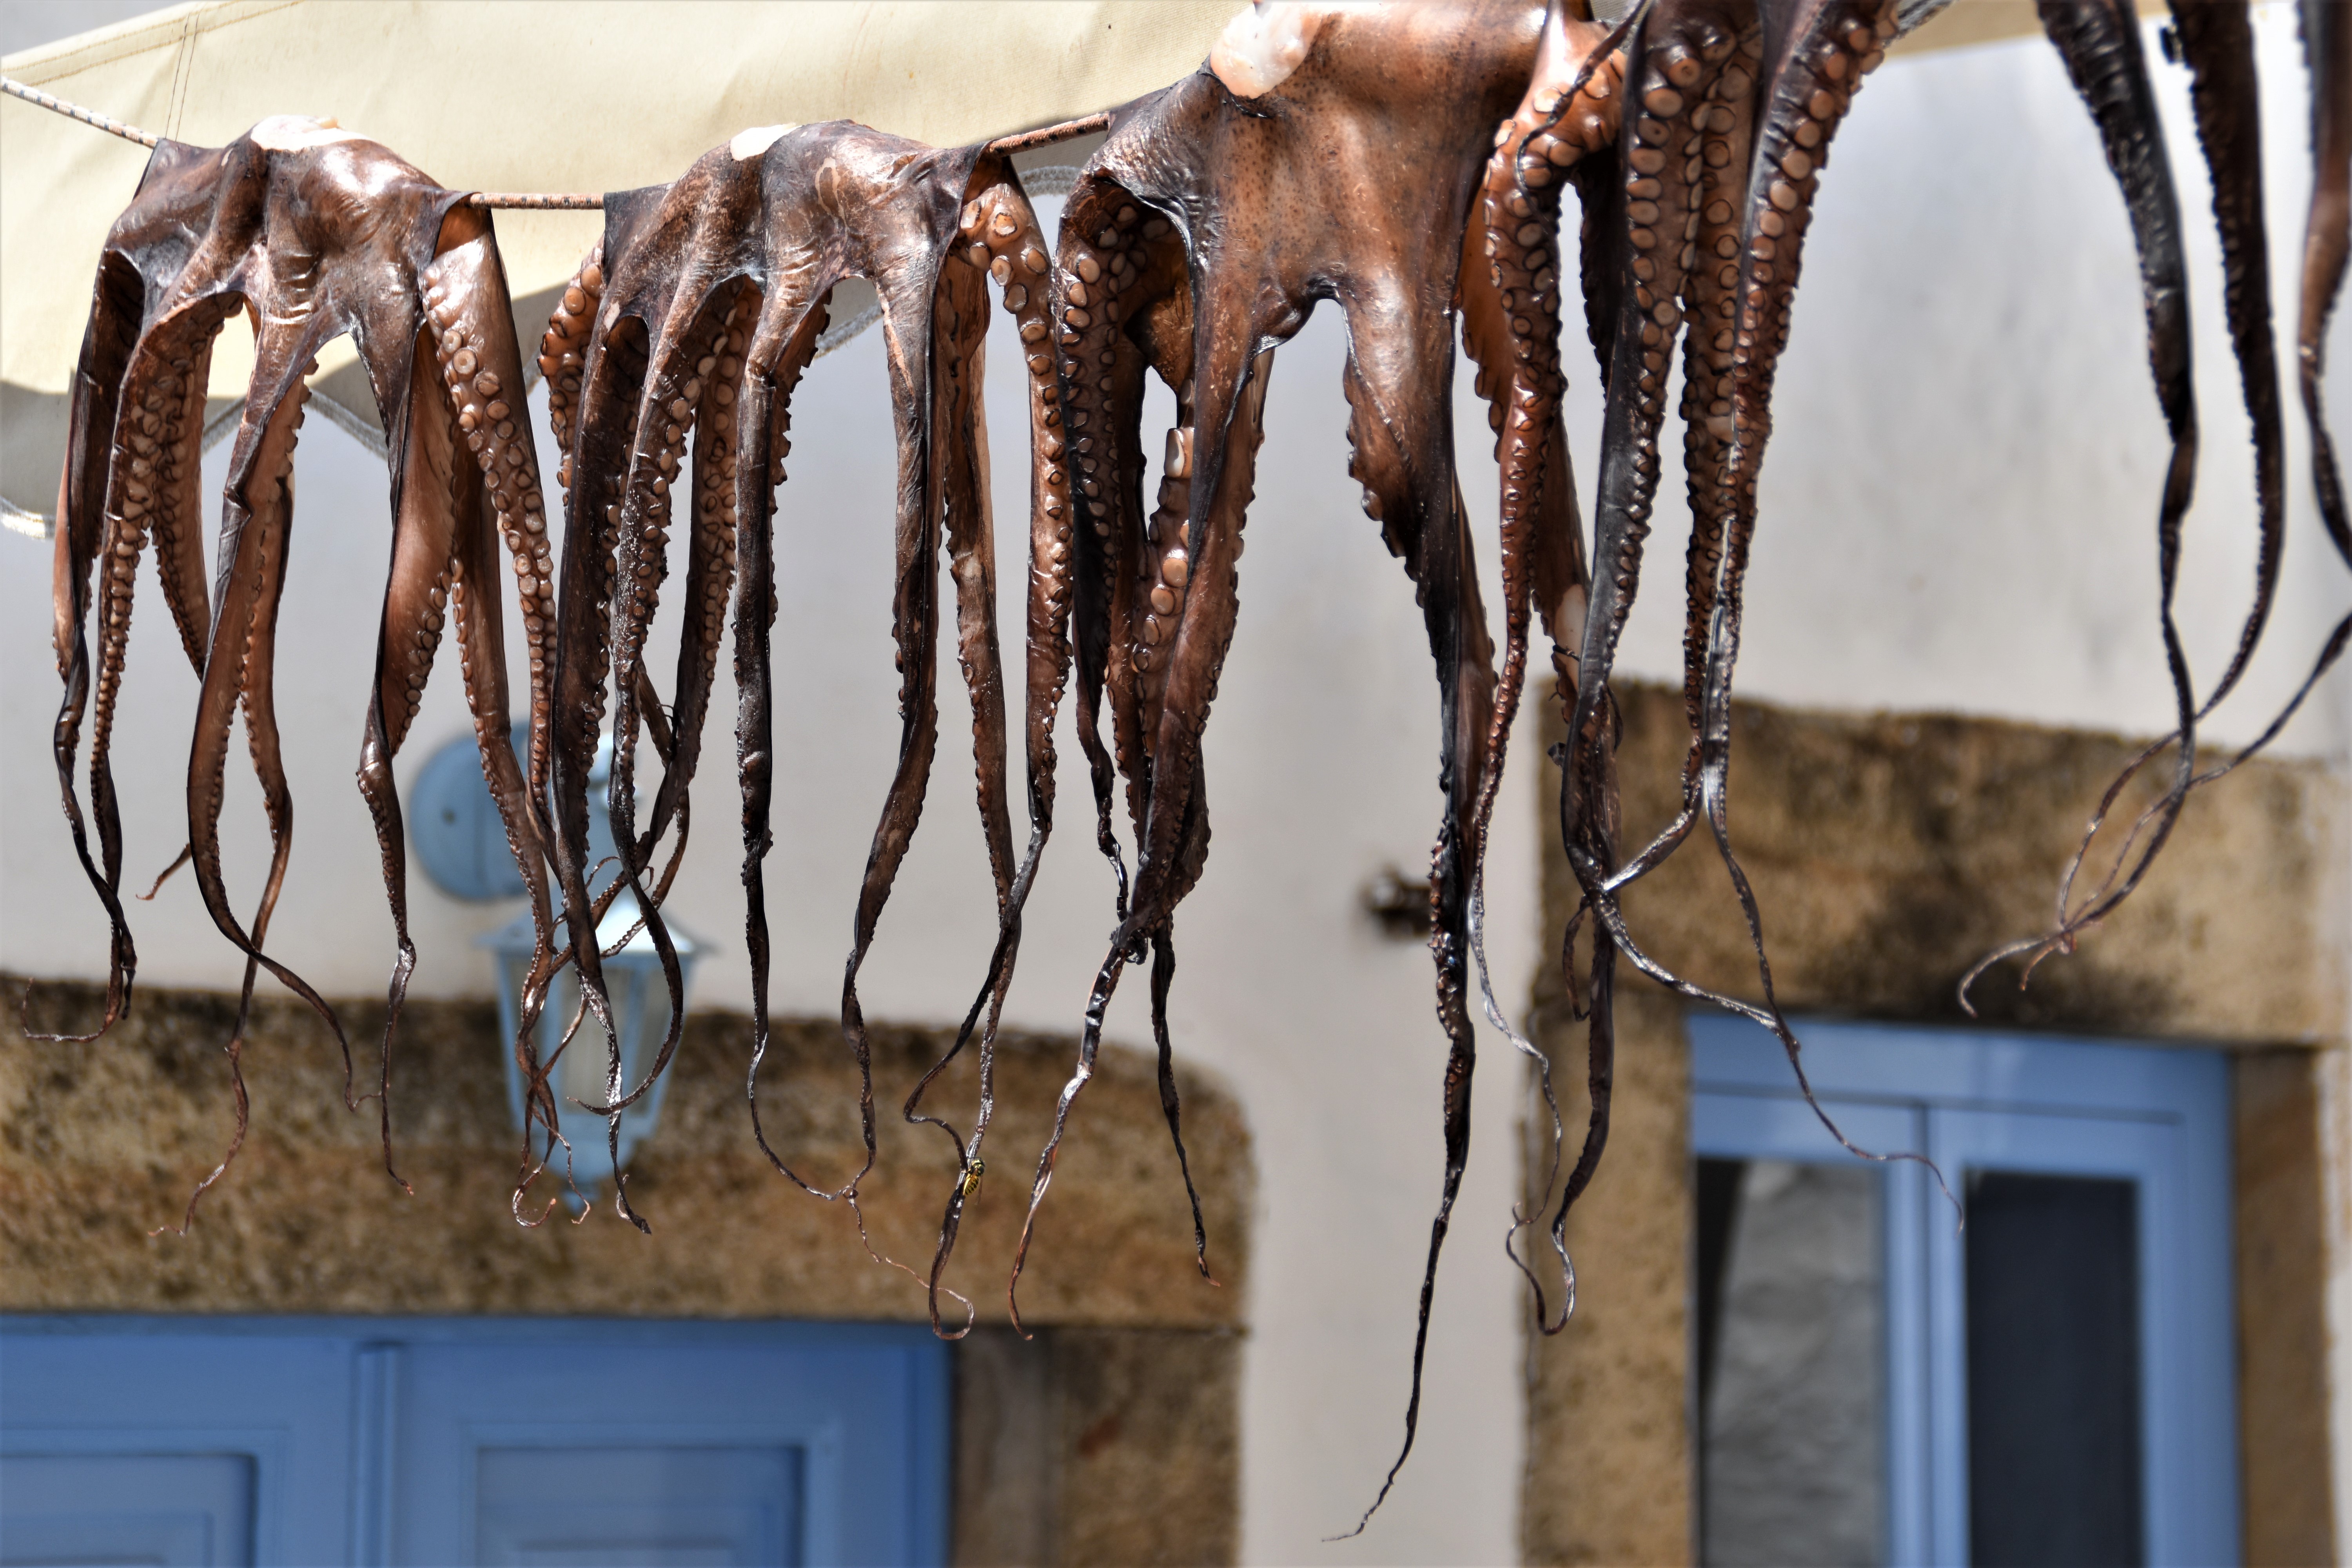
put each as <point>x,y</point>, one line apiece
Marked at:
<point>513,97</point>
<point>533,95</point>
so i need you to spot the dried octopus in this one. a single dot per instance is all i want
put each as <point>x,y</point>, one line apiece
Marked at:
<point>1219,210</point>
<point>698,314</point>
<point>1215,216</point>
<point>313,232</point>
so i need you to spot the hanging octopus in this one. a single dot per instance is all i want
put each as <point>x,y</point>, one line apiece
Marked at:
<point>1219,210</point>
<point>1215,216</point>
<point>698,315</point>
<point>1406,162</point>
<point>313,232</point>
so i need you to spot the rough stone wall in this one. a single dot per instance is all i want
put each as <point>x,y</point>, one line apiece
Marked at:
<point>2282,1308</point>
<point>1888,853</point>
<point>1609,1443</point>
<point>102,1143</point>
<point>1095,1446</point>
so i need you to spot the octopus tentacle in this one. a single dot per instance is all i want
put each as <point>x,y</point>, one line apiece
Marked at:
<point>710,571</point>
<point>1171,1103</point>
<point>1710,287</point>
<point>1816,53</point>
<point>2101,47</point>
<point>477,607</point>
<point>914,628</point>
<point>1711,293</point>
<point>1662,155</point>
<point>466,368</point>
<point>154,484</point>
<point>259,654</point>
<point>82,532</point>
<point>563,353</point>
<point>1205,630</point>
<point>960,325</point>
<point>604,418</point>
<point>2327,241</point>
<point>1163,326</point>
<point>1000,237</point>
<point>416,596</point>
<point>465,292</point>
<point>1102,388</point>
<point>778,353</point>
<point>2217,42</point>
<point>494,493</point>
<point>256,510</point>
<point>1511,330</point>
<point>685,346</point>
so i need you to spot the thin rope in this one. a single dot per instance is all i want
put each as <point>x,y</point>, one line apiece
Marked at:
<point>75,111</point>
<point>1047,136</point>
<point>524,201</point>
<point>570,201</point>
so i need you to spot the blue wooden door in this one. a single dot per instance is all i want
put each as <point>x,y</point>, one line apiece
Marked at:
<point>566,1442</point>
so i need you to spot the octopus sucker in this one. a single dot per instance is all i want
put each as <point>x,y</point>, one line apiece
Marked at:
<point>312,232</point>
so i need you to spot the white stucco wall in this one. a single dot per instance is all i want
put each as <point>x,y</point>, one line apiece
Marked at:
<point>1957,514</point>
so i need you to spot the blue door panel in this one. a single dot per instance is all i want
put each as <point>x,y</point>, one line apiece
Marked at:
<point>190,1510</point>
<point>578,1442</point>
<point>276,1409</point>
<point>730,1508</point>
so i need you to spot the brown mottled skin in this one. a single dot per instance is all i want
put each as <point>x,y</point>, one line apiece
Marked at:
<point>310,241</point>
<point>699,313</point>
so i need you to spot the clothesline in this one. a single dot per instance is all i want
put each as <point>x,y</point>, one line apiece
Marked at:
<point>525,201</point>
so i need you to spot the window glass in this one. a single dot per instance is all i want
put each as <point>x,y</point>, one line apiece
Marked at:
<point>2053,1370</point>
<point>1792,1359</point>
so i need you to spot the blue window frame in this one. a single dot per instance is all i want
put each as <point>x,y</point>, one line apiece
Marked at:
<point>2140,1135</point>
<point>316,1440</point>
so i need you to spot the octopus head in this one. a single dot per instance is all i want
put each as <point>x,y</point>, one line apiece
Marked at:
<point>1266,41</point>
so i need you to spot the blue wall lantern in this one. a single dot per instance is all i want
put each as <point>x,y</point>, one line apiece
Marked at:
<point>462,846</point>
<point>641,1016</point>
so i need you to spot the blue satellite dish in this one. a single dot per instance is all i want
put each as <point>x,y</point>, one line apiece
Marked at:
<point>454,825</point>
